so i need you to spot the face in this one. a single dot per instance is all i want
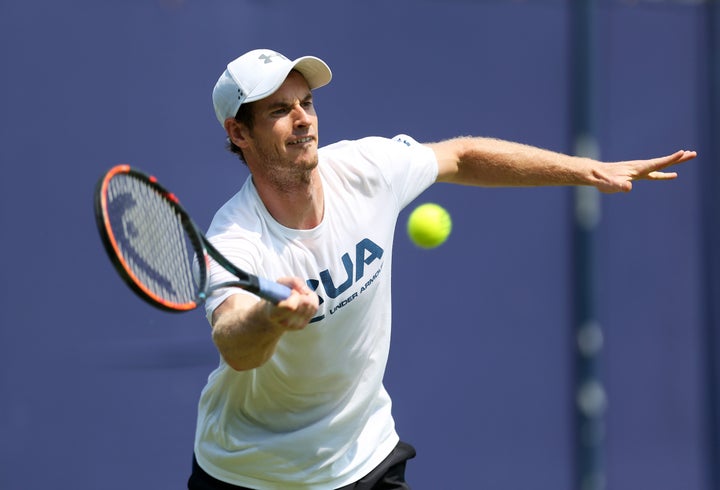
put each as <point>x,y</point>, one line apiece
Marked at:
<point>283,140</point>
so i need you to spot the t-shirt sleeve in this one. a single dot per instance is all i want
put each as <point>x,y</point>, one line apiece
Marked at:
<point>407,165</point>
<point>217,274</point>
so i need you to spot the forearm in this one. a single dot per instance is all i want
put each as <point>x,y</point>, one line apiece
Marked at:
<point>244,332</point>
<point>492,162</point>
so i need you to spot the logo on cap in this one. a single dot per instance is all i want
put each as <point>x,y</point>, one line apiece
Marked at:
<point>268,57</point>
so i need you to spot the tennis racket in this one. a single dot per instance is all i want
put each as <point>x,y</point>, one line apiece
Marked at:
<point>157,249</point>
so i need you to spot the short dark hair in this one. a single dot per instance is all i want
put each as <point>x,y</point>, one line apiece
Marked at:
<point>245,117</point>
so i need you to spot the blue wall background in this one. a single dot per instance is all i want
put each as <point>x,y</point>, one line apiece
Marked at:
<point>99,390</point>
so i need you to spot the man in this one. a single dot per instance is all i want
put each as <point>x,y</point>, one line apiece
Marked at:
<point>298,401</point>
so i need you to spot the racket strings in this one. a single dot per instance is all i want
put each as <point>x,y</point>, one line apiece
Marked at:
<point>152,239</point>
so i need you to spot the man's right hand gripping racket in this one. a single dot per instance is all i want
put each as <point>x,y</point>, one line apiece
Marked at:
<point>152,242</point>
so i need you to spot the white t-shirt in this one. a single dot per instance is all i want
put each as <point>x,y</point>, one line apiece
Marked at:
<point>316,415</point>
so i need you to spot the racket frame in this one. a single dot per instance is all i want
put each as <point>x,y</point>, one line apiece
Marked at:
<point>114,252</point>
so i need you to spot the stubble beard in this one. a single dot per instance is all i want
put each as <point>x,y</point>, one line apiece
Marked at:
<point>288,176</point>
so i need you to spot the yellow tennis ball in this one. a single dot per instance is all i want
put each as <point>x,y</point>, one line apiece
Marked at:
<point>429,225</point>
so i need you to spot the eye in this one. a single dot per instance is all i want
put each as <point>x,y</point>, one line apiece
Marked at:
<point>280,112</point>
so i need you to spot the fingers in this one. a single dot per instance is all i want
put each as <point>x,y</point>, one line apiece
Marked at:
<point>680,156</point>
<point>295,312</point>
<point>687,155</point>
<point>652,169</point>
<point>295,283</point>
<point>662,175</point>
<point>618,177</point>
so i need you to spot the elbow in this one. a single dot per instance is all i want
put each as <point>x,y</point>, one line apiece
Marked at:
<point>240,365</point>
<point>238,359</point>
<point>244,363</point>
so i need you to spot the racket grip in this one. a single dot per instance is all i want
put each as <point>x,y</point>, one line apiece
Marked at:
<point>272,291</point>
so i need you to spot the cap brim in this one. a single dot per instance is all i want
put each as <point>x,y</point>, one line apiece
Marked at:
<point>315,71</point>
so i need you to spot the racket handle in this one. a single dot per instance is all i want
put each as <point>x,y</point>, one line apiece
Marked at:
<point>272,291</point>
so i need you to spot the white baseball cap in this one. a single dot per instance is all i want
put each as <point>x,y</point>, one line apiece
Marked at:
<point>258,74</point>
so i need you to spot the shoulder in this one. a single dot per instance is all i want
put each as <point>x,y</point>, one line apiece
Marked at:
<point>399,163</point>
<point>239,216</point>
<point>380,152</point>
<point>371,144</point>
<point>357,162</point>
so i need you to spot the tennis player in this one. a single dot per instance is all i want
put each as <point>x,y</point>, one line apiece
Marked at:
<point>298,401</point>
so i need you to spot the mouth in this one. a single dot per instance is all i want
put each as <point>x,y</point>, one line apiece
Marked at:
<point>301,141</point>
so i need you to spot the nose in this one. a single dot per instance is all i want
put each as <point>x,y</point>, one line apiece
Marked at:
<point>301,116</point>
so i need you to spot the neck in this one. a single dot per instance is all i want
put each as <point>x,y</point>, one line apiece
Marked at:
<point>299,206</point>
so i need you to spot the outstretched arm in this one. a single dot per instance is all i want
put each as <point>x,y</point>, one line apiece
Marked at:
<point>493,162</point>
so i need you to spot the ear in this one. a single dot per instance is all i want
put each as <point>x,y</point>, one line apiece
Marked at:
<point>237,132</point>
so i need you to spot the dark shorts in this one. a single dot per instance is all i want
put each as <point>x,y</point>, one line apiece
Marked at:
<point>388,475</point>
